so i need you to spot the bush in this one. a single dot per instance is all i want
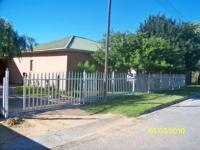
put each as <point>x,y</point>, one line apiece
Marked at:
<point>19,89</point>
<point>86,66</point>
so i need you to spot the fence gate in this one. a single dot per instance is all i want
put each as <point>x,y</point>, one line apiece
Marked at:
<point>42,91</point>
<point>5,94</point>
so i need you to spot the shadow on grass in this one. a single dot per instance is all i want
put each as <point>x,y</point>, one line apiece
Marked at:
<point>181,92</point>
<point>10,139</point>
<point>134,105</point>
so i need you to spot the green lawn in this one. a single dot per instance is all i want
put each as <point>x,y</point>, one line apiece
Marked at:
<point>135,105</point>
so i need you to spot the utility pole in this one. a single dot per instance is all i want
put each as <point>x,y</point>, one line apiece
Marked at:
<point>107,49</point>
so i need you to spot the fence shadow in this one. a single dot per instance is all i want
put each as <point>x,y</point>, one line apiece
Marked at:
<point>182,91</point>
<point>58,118</point>
<point>51,109</point>
<point>68,112</point>
<point>10,139</point>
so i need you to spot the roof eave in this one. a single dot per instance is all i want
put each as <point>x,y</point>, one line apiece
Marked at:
<point>59,50</point>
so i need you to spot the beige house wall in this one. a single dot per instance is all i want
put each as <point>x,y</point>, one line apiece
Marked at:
<point>42,64</point>
<point>49,62</point>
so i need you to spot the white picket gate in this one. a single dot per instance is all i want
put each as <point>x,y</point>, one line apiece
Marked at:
<point>47,90</point>
<point>5,94</point>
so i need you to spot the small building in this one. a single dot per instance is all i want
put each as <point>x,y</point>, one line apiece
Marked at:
<point>56,56</point>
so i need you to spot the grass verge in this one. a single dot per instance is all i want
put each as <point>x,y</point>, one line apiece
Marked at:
<point>137,104</point>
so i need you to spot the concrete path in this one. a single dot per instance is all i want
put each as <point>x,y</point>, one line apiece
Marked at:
<point>133,134</point>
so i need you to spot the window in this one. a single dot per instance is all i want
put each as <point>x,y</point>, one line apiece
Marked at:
<point>31,65</point>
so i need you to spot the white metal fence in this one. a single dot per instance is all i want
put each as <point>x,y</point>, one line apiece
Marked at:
<point>46,90</point>
<point>157,82</point>
<point>5,94</point>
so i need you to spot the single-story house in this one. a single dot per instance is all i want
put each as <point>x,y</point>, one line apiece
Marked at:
<point>56,56</point>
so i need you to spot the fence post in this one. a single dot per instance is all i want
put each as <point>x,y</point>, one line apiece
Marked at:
<point>184,81</point>
<point>84,87</point>
<point>161,81</point>
<point>113,83</point>
<point>148,82</point>
<point>5,93</point>
<point>169,81</point>
<point>3,105</point>
<point>58,86</point>
<point>173,82</point>
<point>178,80</point>
<point>80,87</point>
<point>24,91</point>
<point>133,83</point>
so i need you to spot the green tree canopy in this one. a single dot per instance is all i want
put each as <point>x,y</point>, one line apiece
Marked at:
<point>155,54</point>
<point>11,44</point>
<point>184,38</point>
<point>159,25</point>
<point>161,44</point>
<point>121,46</point>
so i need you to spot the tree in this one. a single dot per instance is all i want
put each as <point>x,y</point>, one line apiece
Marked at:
<point>184,38</point>
<point>141,52</point>
<point>11,44</point>
<point>161,44</point>
<point>121,45</point>
<point>86,66</point>
<point>156,55</point>
<point>159,25</point>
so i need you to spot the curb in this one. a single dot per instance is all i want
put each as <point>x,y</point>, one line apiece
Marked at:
<point>162,106</point>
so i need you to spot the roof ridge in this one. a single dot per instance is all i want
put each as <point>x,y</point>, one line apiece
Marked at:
<point>70,41</point>
<point>84,38</point>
